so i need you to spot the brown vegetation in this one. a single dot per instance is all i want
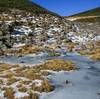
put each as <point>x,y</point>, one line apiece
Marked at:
<point>70,47</point>
<point>45,73</point>
<point>9,93</point>
<point>45,87</point>
<point>57,65</point>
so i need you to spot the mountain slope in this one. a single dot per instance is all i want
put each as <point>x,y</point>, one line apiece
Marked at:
<point>87,16</point>
<point>23,5</point>
<point>92,12</point>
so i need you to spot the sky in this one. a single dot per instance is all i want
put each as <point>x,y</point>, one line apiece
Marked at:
<point>68,7</point>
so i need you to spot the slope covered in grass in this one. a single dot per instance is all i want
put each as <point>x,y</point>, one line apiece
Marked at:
<point>22,5</point>
<point>93,12</point>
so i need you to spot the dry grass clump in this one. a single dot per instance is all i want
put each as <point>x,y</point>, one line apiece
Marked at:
<point>1,81</point>
<point>8,74</point>
<point>23,50</point>
<point>30,74</point>
<point>19,85</point>
<point>9,93</point>
<point>84,52</point>
<point>45,73</point>
<point>23,89</point>
<point>70,47</point>
<point>31,96</point>
<point>57,65</point>
<point>94,54</point>
<point>5,66</point>
<point>27,82</point>
<point>11,81</point>
<point>91,46</point>
<point>20,68</point>
<point>95,57</point>
<point>45,87</point>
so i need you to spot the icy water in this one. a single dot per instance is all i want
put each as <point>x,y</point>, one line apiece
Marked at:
<point>83,83</point>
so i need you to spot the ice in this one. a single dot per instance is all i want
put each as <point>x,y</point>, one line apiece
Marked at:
<point>83,83</point>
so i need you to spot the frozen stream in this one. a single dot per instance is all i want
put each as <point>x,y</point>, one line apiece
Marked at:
<point>84,83</point>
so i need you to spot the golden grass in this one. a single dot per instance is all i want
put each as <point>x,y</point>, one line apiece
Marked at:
<point>31,95</point>
<point>30,74</point>
<point>23,50</point>
<point>1,81</point>
<point>94,54</point>
<point>95,57</point>
<point>11,81</point>
<point>70,47</point>
<point>45,87</point>
<point>57,65</point>
<point>9,93</point>
<point>22,89</point>
<point>45,73</point>
<point>5,66</point>
<point>84,52</point>
<point>27,82</point>
<point>8,74</point>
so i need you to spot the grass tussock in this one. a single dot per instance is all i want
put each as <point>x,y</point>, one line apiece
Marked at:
<point>30,74</point>
<point>1,81</point>
<point>84,52</point>
<point>31,96</point>
<point>9,93</point>
<point>45,87</point>
<point>45,73</point>
<point>23,50</point>
<point>11,81</point>
<point>94,54</point>
<point>23,89</point>
<point>70,47</point>
<point>4,66</point>
<point>8,74</point>
<point>95,57</point>
<point>57,65</point>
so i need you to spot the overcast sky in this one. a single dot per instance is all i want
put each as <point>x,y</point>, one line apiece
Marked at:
<point>68,7</point>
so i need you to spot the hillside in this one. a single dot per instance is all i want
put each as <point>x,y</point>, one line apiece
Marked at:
<point>92,12</point>
<point>23,5</point>
<point>92,15</point>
